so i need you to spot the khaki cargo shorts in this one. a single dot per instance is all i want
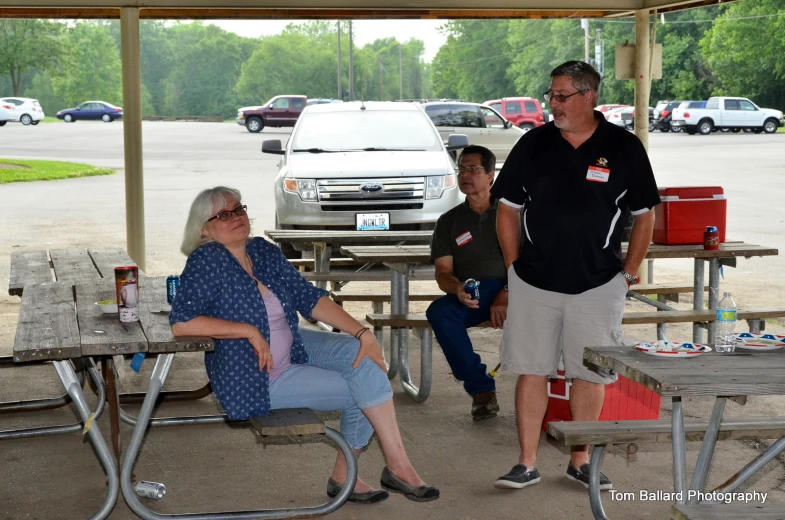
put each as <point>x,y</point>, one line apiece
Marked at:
<point>543,327</point>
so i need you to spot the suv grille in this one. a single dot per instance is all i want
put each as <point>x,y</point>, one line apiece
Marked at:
<point>369,208</point>
<point>363,190</point>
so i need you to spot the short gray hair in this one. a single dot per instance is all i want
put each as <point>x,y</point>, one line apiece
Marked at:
<point>203,207</point>
<point>583,76</point>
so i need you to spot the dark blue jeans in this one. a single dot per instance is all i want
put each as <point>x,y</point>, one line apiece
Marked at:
<point>449,319</point>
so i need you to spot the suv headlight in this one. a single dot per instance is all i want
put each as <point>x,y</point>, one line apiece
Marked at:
<point>435,186</point>
<point>305,188</point>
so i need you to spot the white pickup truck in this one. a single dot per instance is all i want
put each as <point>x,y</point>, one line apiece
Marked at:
<point>733,113</point>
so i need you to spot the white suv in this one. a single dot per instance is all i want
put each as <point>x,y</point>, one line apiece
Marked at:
<point>25,110</point>
<point>347,164</point>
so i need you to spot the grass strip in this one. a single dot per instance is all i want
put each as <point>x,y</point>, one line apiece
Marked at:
<point>22,170</point>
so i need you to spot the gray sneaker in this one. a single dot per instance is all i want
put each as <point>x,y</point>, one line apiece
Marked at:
<point>519,477</point>
<point>582,475</point>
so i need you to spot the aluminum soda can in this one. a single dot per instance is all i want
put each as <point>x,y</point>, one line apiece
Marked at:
<point>127,286</point>
<point>472,287</point>
<point>154,490</point>
<point>172,284</point>
<point>711,238</point>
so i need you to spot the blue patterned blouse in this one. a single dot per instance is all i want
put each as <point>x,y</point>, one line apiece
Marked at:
<point>214,284</point>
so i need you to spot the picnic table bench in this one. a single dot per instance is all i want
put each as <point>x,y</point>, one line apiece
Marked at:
<point>59,322</point>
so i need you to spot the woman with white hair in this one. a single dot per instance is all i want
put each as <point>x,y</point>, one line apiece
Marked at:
<point>243,292</point>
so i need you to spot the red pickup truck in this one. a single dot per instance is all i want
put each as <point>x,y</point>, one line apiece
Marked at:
<point>279,111</point>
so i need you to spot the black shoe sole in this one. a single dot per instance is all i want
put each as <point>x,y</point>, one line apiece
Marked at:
<point>491,415</point>
<point>410,496</point>
<point>380,496</point>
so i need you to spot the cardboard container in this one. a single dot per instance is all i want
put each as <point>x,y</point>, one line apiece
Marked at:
<point>624,400</point>
<point>685,212</point>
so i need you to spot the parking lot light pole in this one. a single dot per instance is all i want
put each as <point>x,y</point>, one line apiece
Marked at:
<point>132,135</point>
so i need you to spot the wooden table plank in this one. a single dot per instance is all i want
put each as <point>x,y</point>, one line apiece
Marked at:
<point>726,250</point>
<point>28,267</point>
<point>154,319</point>
<point>105,260</point>
<point>735,511</point>
<point>740,373</point>
<point>104,334</point>
<point>47,328</point>
<point>73,265</point>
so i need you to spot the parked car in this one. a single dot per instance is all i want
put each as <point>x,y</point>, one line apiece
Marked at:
<point>524,112</point>
<point>91,111</point>
<point>607,108</point>
<point>663,114</point>
<point>628,118</point>
<point>615,115</point>
<point>350,163</point>
<point>319,101</point>
<point>278,112</point>
<point>27,111</point>
<point>733,113</point>
<point>481,124</point>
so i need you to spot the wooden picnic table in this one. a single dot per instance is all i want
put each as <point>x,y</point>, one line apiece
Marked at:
<point>401,261</point>
<point>727,375</point>
<point>59,322</point>
<point>725,255</point>
<point>324,240</point>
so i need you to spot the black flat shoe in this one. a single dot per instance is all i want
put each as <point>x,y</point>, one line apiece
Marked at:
<point>416,493</point>
<point>369,497</point>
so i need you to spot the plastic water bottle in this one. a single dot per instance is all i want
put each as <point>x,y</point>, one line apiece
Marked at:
<point>726,323</point>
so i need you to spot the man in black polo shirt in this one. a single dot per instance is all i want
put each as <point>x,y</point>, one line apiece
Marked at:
<point>572,179</point>
<point>465,245</point>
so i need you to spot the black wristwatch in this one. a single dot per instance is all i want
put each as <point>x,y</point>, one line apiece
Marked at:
<point>630,278</point>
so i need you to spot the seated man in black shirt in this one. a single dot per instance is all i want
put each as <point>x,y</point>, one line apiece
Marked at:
<point>465,245</point>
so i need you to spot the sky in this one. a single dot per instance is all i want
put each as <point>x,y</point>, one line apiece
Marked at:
<point>363,31</point>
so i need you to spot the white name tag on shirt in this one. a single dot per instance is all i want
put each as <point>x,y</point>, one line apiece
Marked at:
<point>463,238</point>
<point>597,174</point>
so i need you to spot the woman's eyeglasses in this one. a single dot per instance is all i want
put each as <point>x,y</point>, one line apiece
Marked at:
<point>227,215</point>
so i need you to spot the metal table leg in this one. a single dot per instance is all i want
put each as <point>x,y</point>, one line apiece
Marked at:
<point>66,428</point>
<point>321,261</point>
<point>68,377</point>
<point>679,449</point>
<point>157,380</point>
<point>112,397</point>
<point>595,497</point>
<point>697,294</point>
<point>753,467</point>
<point>395,333</point>
<point>714,296</point>
<point>707,448</point>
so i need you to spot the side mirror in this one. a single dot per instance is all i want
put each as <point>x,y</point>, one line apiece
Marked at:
<point>270,105</point>
<point>457,141</point>
<point>272,146</point>
<point>507,124</point>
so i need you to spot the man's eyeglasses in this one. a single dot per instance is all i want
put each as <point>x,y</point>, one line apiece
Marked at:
<point>469,169</point>
<point>561,98</point>
<point>227,215</point>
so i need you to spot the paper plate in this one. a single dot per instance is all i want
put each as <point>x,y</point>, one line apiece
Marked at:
<point>108,306</point>
<point>752,341</point>
<point>672,349</point>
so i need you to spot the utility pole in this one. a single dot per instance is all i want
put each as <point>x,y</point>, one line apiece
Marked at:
<point>586,39</point>
<point>400,72</point>
<point>340,83</point>
<point>351,64</point>
<point>599,54</point>
<point>381,79</point>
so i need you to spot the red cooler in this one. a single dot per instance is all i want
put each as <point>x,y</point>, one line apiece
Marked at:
<point>685,212</point>
<point>624,400</point>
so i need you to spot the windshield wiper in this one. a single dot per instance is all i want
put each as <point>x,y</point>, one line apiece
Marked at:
<point>377,149</point>
<point>314,150</point>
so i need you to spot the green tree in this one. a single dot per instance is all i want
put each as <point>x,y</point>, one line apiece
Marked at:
<point>745,49</point>
<point>26,44</point>
<point>42,90</point>
<point>474,64</point>
<point>92,69</point>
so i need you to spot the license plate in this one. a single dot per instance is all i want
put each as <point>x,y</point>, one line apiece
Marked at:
<point>373,221</point>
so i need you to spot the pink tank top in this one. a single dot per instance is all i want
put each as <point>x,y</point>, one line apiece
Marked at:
<point>281,337</point>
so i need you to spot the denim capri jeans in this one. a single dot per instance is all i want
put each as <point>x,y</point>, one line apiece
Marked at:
<point>328,382</point>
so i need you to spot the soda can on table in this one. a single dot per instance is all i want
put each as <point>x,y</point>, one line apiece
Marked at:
<point>146,489</point>
<point>172,284</point>
<point>127,285</point>
<point>711,238</point>
<point>472,287</point>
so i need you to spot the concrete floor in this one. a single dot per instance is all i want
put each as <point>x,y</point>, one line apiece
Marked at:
<point>210,468</point>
